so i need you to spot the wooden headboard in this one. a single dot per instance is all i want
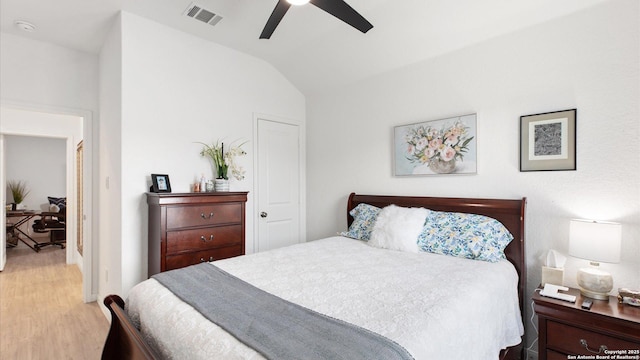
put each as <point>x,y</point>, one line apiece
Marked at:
<point>509,212</point>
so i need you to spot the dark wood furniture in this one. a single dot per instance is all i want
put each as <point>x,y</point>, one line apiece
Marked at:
<point>565,328</point>
<point>185,229</point>
<point>509,212</point>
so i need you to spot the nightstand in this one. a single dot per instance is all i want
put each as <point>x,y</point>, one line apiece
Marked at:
<point>566,330</point>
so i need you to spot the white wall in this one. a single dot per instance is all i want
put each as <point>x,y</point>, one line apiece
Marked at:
<point>39,162</point>
<point>588,60</point>
<point>176,90</point>
<point>36,72</point>
<point>110,269</point>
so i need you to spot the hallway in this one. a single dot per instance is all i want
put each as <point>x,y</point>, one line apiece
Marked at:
<point>42,315</point>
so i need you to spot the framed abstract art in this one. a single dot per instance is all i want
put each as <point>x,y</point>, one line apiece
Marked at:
<point>548,141</point>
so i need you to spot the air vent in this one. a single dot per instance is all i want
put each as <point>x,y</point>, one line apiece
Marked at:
<point>204,15</point>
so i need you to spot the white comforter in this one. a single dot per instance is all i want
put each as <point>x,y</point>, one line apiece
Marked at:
<point>436,306</point>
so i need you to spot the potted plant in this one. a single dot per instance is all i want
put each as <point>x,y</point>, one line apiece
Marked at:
<point>19,192</point>
<point>223,162</point>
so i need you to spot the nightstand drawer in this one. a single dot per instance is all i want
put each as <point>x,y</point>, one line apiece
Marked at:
<point>204,238</point>
<point>569,339</point>
<point>552,355</point>
<point>203,215</point>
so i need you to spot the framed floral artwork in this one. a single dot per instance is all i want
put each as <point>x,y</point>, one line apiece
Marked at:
<point>445,146</point>
<point>548,141</point>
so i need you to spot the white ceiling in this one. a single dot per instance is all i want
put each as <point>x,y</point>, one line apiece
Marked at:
<point>314,50</point>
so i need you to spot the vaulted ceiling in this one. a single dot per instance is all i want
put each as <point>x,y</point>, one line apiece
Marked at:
<point>314,50</point>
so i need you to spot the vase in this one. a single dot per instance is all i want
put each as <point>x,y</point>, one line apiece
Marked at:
<point>440,166</point>
<point>221,185</point>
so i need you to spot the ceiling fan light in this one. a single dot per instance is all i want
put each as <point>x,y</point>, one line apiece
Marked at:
<point>297,2</point>
<point>25,26</point>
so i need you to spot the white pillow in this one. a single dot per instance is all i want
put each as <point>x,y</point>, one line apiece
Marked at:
<point>397,228</point>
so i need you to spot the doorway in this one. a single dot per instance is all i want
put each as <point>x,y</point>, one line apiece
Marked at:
<point>72,126</point>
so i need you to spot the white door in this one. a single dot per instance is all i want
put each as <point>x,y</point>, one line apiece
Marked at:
<point>278,184</point>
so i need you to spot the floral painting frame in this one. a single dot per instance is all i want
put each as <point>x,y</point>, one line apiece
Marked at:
<point>436,147</point>
<point>548,141</point>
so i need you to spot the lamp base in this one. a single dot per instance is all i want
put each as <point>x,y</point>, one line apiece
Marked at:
<point>595,283</point>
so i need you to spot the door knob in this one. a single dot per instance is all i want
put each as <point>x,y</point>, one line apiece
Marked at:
<point>263,214</point>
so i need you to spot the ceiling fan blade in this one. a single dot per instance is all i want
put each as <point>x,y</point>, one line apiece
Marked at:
<point>344,12</point>
<point>278,13</point>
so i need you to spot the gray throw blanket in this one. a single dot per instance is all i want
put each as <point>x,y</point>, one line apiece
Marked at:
<point>275,328</point>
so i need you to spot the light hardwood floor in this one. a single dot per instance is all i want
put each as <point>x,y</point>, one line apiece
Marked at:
<point>42,315</point>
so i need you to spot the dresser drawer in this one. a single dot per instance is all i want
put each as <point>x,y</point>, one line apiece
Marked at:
<point>203,215</point>
<point>192,258</point>
<point>204,238</point>
<point>568,339</point>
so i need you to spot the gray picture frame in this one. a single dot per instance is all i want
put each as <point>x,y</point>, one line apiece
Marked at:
<point>548,141</point>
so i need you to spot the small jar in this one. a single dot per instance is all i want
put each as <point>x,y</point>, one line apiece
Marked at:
<point>210,186</point>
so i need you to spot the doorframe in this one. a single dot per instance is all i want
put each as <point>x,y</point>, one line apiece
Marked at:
<point>302,206</point>
<point>90,235</point>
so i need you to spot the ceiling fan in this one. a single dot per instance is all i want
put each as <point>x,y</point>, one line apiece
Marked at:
<point>337,8</point>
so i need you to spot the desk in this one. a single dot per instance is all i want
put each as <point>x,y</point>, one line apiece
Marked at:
<point>24,217</point>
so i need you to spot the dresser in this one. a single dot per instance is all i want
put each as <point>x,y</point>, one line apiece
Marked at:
<point>607,330</point>
<point>189,228</point>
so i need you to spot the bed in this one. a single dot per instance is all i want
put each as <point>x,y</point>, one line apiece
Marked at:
<point>412,299</point>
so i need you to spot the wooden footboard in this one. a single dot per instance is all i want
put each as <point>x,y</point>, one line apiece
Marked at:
<point>124,340</point>
<point>513,353</point>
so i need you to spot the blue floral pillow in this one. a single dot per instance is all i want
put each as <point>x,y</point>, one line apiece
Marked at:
<point>463,235</point>
<point>364,216</point>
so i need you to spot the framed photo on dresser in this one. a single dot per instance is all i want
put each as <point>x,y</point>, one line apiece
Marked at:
<point>160,183</point>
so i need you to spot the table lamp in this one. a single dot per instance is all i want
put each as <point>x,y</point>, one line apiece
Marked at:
<point>596,241</point>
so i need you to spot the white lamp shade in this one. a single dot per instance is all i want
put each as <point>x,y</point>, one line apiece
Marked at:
<point>595,240</point>
<point>297,2</point>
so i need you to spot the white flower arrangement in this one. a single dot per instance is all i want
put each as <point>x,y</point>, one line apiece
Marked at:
<point>426,143</point>
<point>224,161</point>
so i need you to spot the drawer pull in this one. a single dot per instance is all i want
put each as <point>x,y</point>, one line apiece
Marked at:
<point>205,239</point>
<point>203,260</point>
<point>202,215</point>
<point>584,344</point>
